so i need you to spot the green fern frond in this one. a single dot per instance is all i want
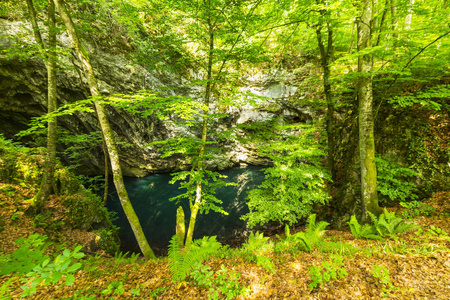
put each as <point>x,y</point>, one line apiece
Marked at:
<point>182,262</point>
<point>354,227</point>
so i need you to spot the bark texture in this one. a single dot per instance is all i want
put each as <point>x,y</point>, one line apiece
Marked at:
<point>369,195</point>
<point>325,56</point>
<point>83,56</point>
<point>50,63</point>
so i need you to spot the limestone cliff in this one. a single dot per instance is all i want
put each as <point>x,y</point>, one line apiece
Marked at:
<point>23,96</point>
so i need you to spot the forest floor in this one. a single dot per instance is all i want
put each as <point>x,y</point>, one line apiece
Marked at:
<point>417,264</point>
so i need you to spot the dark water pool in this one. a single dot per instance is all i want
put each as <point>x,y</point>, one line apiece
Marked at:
<point>150,198</point>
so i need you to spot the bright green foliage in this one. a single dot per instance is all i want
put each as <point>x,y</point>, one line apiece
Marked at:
<point>114,288</point>
<point>382,274</point>
<point>29,255</point>
<point>5,288</point>
<point>258,248</point>
<point>438,232</point>
<point>362,231</point>
<point>211,181</point>
<point>312,236</point>
<point>223,281</point>
<point>121,257</point>
<point>296,181</point>
<point>50,272</point>
<point>416,208</point>
<point>386,224</point>
<point>392,180</point>
<point>330,270</point>
<point>337,248</point>
<point>304,241</point>
<point>389,224</point>
<point>183,261</point>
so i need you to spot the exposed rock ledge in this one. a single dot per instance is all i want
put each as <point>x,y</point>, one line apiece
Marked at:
<point>23,88</point>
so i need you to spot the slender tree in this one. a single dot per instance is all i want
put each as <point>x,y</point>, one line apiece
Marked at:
<point>83,56</point>
<point>50,63</point>
<point>325,58</point>
<point>366,124</point>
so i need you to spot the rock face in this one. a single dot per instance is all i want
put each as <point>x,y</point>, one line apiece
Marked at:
<point>23,94</point>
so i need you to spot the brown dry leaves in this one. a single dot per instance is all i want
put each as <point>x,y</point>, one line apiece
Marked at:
<point>419,267</point>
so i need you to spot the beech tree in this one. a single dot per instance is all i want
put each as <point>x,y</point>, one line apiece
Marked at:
<point>369,194</point>
<point>50,63</point>
<point>83,56</point>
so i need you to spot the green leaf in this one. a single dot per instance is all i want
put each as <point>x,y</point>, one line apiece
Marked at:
<point>69,279</point>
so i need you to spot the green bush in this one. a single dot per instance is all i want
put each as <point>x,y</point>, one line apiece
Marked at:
<point>295,183</point>
<point>394,181</point>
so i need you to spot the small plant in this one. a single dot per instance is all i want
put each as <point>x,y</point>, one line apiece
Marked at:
<point>121,257</point>
<point>438,232</point>
<point>114,288</point>
<point>51,272</point>
<point>157,292</point>
<point>224,281</point>
<point>313,235</point>
<point>258,249</point>
<point>391,225</point>
<point>362,231</point>
<point>329,270</point>
<point>338,248</point>
<point>109,241</point>
<point>26,257</point>
<point>183,261</point>
<point>382,274</point>
<point>416,208</point>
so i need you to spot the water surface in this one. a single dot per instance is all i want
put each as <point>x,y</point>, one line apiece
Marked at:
<point>150,198</point>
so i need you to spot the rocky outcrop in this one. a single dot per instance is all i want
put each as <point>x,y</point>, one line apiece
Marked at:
<point>23,87</point>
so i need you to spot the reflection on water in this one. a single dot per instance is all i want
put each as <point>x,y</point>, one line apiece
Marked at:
<point>157,214</point>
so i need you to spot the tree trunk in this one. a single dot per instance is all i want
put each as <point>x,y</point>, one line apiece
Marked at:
<point>47,180</point>
<point>366,125</point>
<point>394,19</point>
<point>201,163</point>
<point>325,62</point>
<point>83,56</point>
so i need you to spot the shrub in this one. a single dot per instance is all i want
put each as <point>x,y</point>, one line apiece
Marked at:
<point>394,181</point>
<point>294,184</point>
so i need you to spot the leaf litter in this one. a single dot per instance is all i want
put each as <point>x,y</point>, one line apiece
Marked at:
<point>418,264</point>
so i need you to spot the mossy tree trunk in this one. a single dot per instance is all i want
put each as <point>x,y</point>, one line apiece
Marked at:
<point>83,56</point>
<point>50,63</point>
<point>369,197</point>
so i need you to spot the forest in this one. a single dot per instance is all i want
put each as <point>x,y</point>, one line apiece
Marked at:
<point>311,138</point>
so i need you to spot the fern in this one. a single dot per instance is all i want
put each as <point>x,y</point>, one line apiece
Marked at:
<point>258,248</point>
<point>386,224</point>
<point>365,231</point>
<point>183,261</point>
<point>312,236</point>
<point>390,224</point>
